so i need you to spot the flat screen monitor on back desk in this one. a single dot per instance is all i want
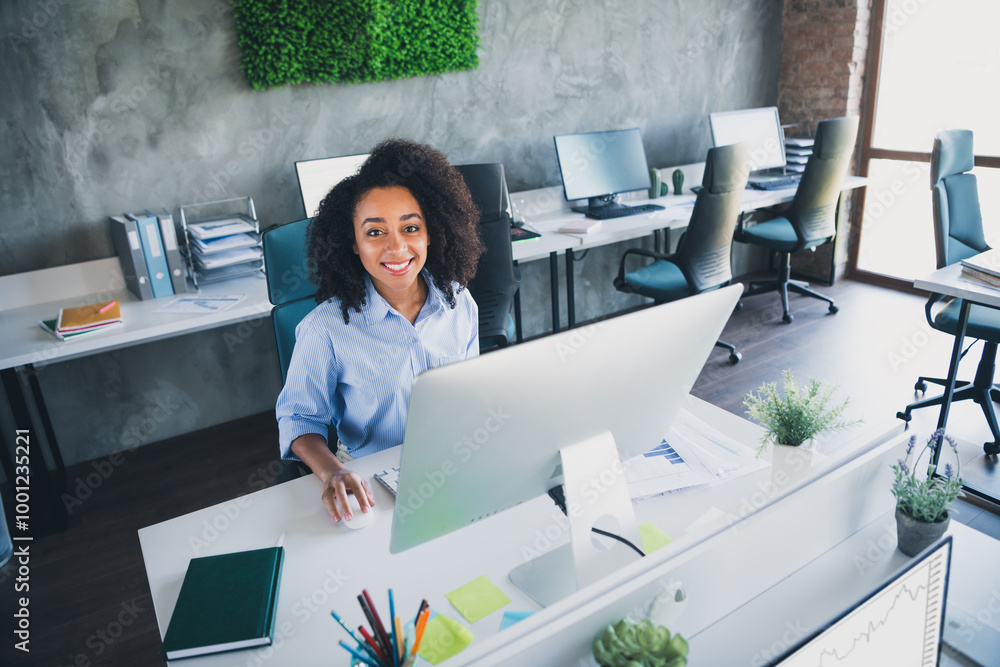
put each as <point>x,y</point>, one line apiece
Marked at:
<point>493,432</point>
<point>761,128</point>
<point>598,166</point>
<point>316,177</point>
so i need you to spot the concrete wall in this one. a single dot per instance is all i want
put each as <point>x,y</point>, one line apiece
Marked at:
<point>117,105</point>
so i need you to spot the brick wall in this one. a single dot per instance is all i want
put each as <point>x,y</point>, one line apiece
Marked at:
<point>823,55</point>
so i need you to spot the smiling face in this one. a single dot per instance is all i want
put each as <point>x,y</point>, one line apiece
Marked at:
<point>390,237</point>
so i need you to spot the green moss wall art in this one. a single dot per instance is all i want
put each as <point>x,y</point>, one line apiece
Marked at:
<point>354,41</point>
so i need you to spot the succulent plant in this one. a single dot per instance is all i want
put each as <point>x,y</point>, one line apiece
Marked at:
<point>642,644</point>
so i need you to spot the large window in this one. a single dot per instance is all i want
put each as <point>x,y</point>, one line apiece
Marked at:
<point>934,65</point>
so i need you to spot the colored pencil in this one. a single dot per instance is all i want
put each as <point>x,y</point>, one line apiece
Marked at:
<point>354,635</point>
<point>359,656</point>
<point>374,645</point>
<point>377,628</point>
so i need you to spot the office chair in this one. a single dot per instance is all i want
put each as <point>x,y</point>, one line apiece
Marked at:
<point>811,218</point>
<point>496,278</point>
<point>702,260</point>
<point>289,288</point>
<point>291,292</point>
<point>958,235</point>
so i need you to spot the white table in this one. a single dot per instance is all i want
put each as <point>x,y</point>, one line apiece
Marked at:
<point>26,298</point>
<point>546,210</point>
<point>326,566</point>
<point>947,281</point>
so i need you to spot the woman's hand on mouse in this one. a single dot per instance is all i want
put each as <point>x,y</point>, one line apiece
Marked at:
<point>337,484</point>
<point>338,481</point>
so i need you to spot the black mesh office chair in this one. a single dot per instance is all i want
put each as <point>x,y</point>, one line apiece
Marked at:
<point>702,260</point>
<point>811,218</point>
<point>496,278</point>
<point>958,235</point>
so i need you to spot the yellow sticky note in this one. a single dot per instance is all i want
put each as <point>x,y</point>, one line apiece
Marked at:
<point>443,638</point>
<point>652,537</point>
<point>478,598</point>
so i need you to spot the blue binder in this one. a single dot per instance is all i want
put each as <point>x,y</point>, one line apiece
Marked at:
<point>156,258</point>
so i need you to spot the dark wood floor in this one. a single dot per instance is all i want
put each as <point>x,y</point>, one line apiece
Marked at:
<point>90,602</point>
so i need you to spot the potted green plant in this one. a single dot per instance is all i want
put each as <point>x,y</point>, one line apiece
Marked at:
<point>797,413</point>
<point>642,644</point>
<point>922,504</point>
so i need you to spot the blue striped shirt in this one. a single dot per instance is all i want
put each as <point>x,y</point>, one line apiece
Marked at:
<point>357,377</point>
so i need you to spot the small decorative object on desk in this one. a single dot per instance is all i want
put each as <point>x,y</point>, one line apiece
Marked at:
<point>678,179</point>
<point>642,644</point>
<point>922,503</point>
<point>804,411</point>
<point>655,182</point>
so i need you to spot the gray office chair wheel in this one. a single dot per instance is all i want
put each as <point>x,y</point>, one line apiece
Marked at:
<point>734,358</point>
<point>992,448</point>
<point>920,386</point>
<point>787,319</point>
<point>833,308</point>
<point>739,306</point>
<point>905,416</point>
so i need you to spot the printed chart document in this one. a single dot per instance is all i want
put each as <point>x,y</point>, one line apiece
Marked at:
<point>201,304</point>
<point>693,453</point>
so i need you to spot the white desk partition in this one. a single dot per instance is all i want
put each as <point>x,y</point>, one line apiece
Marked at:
<point>725,537</point>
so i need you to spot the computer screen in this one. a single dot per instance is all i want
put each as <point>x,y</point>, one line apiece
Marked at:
<point>316,177</point>
<point>599,165</point>
<point>759,127</point>
<point>490,433</point>
<point>900,623</point>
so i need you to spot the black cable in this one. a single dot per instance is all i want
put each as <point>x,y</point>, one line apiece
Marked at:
<point>559,498</point>
<point>620,539</point>
<point>579,256</point>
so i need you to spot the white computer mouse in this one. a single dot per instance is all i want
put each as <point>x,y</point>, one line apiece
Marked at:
<point>358,518</point>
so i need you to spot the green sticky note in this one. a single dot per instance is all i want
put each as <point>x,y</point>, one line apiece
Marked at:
<point>443,638</point>
<point>652,537</point>
<point>478,598</point>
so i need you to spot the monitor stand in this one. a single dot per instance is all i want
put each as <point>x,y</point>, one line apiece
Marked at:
<point>596,494</point>
<point>595,203</point>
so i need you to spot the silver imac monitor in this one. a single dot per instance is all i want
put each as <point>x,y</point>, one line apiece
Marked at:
<point>761,128</point>
<point>900,623</point>
<point>316,177</point>
<point>597,166</point>
<point>490,433</point>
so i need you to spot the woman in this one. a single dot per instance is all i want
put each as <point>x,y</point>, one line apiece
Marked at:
<point>391,250</point>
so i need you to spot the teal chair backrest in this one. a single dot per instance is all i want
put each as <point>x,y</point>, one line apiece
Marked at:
<point>285,262</point>
<point>288,285</point>
<point>703,254</point>
<point>813,212</point>
<point>958,220</point>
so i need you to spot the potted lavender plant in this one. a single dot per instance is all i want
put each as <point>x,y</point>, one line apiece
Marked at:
<point>922,503</point>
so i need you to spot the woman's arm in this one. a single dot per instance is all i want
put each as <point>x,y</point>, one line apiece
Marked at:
<point>337,480</point>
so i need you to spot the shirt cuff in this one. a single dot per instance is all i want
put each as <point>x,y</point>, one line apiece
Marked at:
<point>290,428</point>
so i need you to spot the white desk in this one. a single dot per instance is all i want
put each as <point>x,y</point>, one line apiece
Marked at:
<point>546,210</point>
<point>26,298</point>
<point>947,281</point>
<point>327,566</point>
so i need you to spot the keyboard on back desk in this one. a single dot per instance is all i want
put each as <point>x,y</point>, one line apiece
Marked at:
<point>620,211</point>
<point>776,183</point>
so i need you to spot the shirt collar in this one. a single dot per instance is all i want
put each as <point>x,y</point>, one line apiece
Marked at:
<point>378,308</point>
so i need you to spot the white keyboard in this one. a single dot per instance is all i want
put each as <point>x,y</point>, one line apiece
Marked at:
<point>389,478</point>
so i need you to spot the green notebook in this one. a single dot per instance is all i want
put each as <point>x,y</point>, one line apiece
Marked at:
<point>226,603</point>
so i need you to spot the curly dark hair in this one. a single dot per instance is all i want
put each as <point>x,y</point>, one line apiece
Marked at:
<point>451,216</point>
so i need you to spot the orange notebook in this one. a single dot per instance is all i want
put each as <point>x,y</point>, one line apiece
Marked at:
<point>86,318</point>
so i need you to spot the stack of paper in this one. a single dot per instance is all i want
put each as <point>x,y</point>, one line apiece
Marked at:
<point>983,269</point>
<point>72,322</point>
